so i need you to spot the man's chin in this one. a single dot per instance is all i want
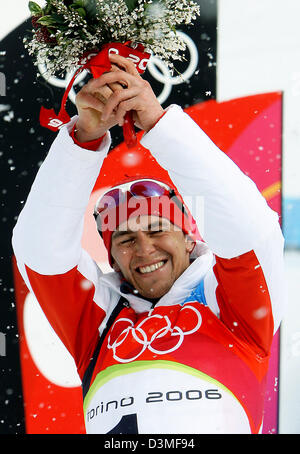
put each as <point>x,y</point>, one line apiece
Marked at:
<point>153,292</point>
<point>155,284</point>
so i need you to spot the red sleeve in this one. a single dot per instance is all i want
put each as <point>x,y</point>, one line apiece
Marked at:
<point>67,301</point>
<point>244,300</point>
<point>92,145</point>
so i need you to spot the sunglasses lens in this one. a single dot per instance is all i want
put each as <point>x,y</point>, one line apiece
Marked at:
<point>115,197</point>
<point>147,189</point>
<point>109,200</point>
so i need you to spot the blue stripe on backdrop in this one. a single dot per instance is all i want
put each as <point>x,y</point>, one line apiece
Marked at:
<point>291,222</point>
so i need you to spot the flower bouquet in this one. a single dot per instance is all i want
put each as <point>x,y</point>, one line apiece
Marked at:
<point>72,35</point>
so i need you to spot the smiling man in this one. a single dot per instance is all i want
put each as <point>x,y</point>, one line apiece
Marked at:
<point>150,251</point>
<point>151,254</point>
<point>177,338</point>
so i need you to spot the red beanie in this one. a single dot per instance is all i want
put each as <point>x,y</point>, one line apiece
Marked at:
<point>163,206</point>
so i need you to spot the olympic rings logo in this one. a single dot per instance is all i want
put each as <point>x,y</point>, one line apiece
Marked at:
<point>156,67</point>
<point>141,337</point>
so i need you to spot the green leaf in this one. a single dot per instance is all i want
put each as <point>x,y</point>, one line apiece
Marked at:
<point>77,4</point>
<point>35,9</point>
<point>81,12</point>
<point>57,19</point>
<point>91,8</point>
<point>47,20</point>
<point>48,8</point>
<point>131,4</point>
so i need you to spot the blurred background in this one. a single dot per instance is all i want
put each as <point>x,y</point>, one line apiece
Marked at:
<point>239,49</point>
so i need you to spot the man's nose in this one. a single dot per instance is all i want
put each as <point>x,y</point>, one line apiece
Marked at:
<point>144,244</point>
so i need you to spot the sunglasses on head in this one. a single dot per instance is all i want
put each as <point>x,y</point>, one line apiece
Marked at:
<point>138,188</point>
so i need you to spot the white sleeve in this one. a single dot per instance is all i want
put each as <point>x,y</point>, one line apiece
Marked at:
<point>47,246</point>
<point>47,236</point>
<point>233,216</point>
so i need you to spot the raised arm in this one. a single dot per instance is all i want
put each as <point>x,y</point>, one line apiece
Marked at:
<point>236,223</point>
<point>47,236</point>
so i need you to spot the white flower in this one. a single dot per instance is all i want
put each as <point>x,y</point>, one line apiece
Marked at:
<point>156,11</point>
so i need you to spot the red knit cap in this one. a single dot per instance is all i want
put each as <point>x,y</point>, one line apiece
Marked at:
<point>162,206</point>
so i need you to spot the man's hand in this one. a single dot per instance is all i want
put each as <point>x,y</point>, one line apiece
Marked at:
<point>103,102</point>
<point>90,103</point>
<point>137,97</point>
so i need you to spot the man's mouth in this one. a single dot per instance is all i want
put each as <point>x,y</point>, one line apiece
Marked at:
<point>150,268</point>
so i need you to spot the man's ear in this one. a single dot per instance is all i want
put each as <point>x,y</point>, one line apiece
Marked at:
<point>190,244</point>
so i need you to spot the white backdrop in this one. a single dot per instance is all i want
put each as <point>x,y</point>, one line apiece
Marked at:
<point>258,51</point>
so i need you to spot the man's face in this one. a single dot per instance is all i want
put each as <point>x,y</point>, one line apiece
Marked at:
<point>151,253</point>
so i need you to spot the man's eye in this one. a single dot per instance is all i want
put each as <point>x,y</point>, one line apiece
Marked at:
<point>127,240</point>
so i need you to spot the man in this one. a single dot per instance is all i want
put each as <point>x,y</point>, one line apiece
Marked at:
<point>185,326</point>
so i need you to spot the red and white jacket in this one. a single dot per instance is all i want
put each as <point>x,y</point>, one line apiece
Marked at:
<point>197,361</point>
